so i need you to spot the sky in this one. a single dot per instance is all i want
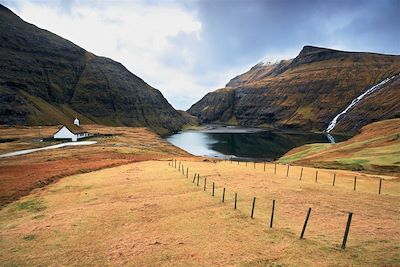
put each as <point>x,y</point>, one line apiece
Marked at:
<point>188,48</point>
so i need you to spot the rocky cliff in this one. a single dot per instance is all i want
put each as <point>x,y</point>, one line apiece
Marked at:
<point>45,80</point>
<point>307,92</point>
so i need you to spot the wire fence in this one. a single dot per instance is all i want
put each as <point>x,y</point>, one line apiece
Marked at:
<point>275,211</point>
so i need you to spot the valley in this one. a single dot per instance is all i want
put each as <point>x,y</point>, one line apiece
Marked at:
<point>295,162</point>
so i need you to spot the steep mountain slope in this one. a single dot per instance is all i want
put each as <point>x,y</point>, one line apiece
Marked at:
<point>46,79</point>
<point>307,92</point>
<point>375,149</point>
<point>258,72</point>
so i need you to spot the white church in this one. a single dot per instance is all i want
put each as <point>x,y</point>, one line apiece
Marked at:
<point>73,132</point>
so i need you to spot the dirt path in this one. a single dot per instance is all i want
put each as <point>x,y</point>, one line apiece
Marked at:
<point>28,151</point>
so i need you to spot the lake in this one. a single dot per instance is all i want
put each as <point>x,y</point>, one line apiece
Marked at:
<point>244,143</point>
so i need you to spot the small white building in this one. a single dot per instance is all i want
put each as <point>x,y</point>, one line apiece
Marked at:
<point>73,132</point>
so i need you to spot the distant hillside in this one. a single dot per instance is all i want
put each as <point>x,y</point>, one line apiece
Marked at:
<point>46,80</point>
<point>307,92</point>
<point>375,149</point>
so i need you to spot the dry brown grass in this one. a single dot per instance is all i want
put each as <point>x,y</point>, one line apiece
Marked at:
<point>147,213</point>
<point>20,174</point>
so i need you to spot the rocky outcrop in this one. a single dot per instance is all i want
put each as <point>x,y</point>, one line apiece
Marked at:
<point>305,93</point>
<point>46,79</point>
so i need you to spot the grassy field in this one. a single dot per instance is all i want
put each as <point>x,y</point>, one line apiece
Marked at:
<point>120,202</point>
<point>376,150</point>
<point>148,213</point>
<point>122,145</point>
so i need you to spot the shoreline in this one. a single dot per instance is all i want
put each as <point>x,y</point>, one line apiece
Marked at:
<point>226,128</point>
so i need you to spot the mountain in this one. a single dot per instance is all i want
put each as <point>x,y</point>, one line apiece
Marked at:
<point>375,149</point>
<point>47,80</point>
<point>307,92</point>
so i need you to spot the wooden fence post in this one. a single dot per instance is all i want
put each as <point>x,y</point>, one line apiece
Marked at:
<point>254,164</point>
<point>194,177</point>
<point>179,169</point>
<point>380,185</point>
<point>316,176</point>
<point>246,163</point>
<point>252,209</point>
<point>205,183</point>
<point>334,179</point>
<point>198,179</point>
<point>264,166</point>
<point>287,171</point>
<point>223,195</point>
<point>346,233</point>
<point>275,169</point>
<point>355,183</point>
<point>305,223</point>
<point>301,173</point>
<point>213,189</point>
<point>272,213</point>
<point>235,199</point>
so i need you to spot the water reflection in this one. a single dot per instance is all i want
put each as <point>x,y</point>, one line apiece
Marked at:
<point>263,145</point>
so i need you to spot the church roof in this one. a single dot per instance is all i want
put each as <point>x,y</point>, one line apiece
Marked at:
<point>73,128</point>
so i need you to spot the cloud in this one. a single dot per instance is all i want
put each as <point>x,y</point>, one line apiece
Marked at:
<point>187,48</point>
<point>134,33</point>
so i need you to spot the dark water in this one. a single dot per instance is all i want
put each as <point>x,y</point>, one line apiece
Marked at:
<point>262,145</point>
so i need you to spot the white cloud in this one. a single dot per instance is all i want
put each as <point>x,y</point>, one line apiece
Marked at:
<point>133,33</point>
<point>188,48</point>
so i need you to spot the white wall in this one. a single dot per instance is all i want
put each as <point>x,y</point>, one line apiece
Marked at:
<point>64,133</point>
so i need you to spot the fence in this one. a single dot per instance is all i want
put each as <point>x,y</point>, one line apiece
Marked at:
<point>324,177</point>
<point>253,206</point>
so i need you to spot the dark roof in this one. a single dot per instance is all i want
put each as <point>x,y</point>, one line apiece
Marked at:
<point>73,128</point>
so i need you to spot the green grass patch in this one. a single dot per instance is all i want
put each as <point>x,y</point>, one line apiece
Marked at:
<point>354,164</point>
<point>33,205</point>
<point>232,121</point>
<point>309,149</point>
<point>29,237</point>
<point>38,217</point>
<point>72,188</point>
<point>262,262</point>
<point>306,112</point>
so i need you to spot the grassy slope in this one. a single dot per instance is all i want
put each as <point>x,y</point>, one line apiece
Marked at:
<point>375,149</point>
<point>19,175</point>
<point>148,214</point>
<point>44,113</point>
<point>47,80</point>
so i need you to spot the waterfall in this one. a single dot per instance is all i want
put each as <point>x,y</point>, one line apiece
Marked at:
<point>333,123</point>
<point>330,138</point>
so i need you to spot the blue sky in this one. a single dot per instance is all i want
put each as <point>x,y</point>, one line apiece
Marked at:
<point>188,48</point>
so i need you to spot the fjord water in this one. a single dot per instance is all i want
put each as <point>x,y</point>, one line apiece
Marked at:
<point>255,145</point>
